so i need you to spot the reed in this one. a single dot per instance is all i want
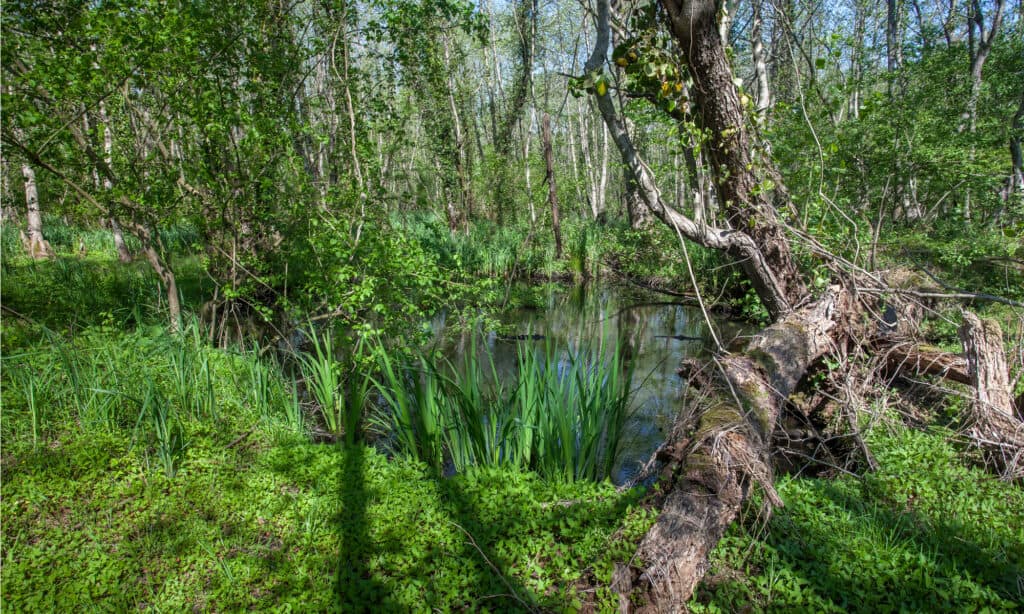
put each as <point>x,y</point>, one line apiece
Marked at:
<point>340,397</point>
<point>415,407</point>
<point>562,416</point>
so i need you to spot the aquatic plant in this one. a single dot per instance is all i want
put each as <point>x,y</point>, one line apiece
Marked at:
<point>562,416</point>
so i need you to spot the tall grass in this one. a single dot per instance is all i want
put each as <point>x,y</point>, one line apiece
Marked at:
<point>416,408</point>
<point>148,385</point>
<point>340,397</point>
<point>191,374</point>
<point>562,416</point>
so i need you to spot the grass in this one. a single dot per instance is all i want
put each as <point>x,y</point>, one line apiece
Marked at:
<point>149,385</point>
<point>562,417</point>
<point>340,398</point>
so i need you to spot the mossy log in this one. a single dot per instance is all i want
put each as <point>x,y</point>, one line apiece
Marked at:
<point>913,359</point>
<point>713,458</point>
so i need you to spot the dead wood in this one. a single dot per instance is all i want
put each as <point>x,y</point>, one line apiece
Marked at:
<point>992,422</point>
<point>715,458</point>
<point>909,358</point>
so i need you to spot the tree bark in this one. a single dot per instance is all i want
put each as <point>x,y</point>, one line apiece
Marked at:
<point>35,244</point>
<point>714,458</point>
<point>986,360</point>
<point>993,424</point>
<point>549,163</point>
<point>123,255</point>
<point>915,360</point>
<point>764,95</point>
<point>742,187</point>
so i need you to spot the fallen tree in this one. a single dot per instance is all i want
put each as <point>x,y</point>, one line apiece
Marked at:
<point>719,452</point>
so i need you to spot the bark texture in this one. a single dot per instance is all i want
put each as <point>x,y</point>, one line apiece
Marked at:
<point>35,244</point>
<point>911,359</point>
<point>744,186</point>
<point>715,457</point>
<point>992,423</point>
<point>983,344</point>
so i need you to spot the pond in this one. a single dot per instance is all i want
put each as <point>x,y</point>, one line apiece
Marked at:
<point>654,335</point>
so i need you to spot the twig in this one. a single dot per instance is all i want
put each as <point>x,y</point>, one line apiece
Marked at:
<point>492,566</point>
<point>241,438</point>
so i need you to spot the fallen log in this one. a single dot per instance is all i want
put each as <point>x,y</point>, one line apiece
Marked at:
<point>713,459</point>
<point>910,358</point>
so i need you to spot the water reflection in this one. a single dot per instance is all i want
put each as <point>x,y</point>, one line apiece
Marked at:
<point>654,336</point>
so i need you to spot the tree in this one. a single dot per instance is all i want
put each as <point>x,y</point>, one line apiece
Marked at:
<point>715,456</point>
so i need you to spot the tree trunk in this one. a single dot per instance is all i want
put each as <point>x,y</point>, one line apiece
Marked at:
<point>993,424</point>
<point>979,46</point>
<point>35,244</point>
<point>764,95</point>
<point>549,163</point>
<point>893,40</point>
<point>163,271</point>
<point>123,254</point>
<point>1015,183</point>
<point>986,360</point>
<point>461,154</point>
<point>716,456</point>
<point>740,189</point>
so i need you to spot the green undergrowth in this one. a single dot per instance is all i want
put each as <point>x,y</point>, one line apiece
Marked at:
<point>280,523</point>
<point>68,292</point>
<point>925,533</point>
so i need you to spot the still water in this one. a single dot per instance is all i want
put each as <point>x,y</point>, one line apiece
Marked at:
<point>646,326</point>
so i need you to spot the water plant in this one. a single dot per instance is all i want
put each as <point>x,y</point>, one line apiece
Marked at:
<point>562,416</point>
<point>340,397</point>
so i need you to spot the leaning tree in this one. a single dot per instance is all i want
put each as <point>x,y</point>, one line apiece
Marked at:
<point>720,451</point>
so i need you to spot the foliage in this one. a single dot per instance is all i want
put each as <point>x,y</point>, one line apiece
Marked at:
<point>292,525</point>
<point>923,533</point>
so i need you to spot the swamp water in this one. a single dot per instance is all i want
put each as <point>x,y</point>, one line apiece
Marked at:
<point>653,335</point>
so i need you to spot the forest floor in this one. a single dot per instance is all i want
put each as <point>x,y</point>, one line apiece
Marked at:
<point>276,522</point>
<point>103,504</point>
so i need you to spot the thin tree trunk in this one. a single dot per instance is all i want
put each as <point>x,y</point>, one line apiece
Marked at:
<point>349,107</point>
<point>526,164</point>
<point>602,185</point>
<point>1015,184</point>
<point>123,255</point>
<point>461,151</point>
<point>636,212</point>
<point>979,46</point>
<point>764,95</point>
<point>549,163</point>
